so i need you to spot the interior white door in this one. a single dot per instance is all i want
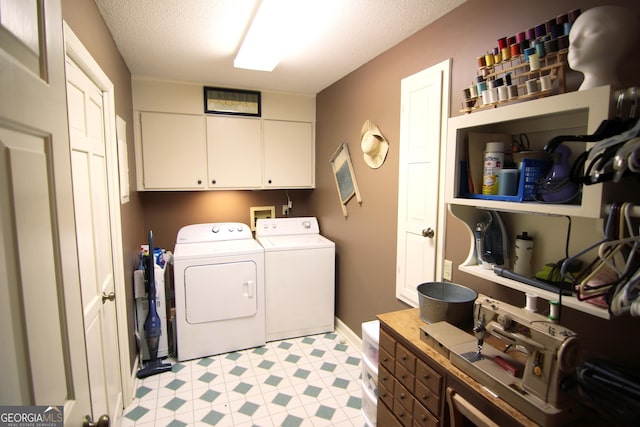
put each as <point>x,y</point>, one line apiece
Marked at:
<point>424,111</point>
<point>93,234</point>
<point>42,353</point>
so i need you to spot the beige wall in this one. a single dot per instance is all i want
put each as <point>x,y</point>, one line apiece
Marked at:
<point>366,239</point>
<point>87,23</point>
<point>167,211</point>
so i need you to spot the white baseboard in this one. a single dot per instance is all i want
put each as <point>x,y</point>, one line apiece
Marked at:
<point>350,336</point>
<point>133,381</point>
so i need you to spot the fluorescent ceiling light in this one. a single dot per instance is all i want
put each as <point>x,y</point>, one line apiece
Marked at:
<point>276,30</point>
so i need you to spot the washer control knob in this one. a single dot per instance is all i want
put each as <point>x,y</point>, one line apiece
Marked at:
<point>306,224</point>
<point>231,229</point>
<point>240,227</point>
<point>215,229</point>
<point>265,225</point>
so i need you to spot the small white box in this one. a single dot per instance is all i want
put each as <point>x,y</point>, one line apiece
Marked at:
<point>370,341</point>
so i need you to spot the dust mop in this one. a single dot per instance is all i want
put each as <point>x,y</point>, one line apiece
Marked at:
<point>152,325</point>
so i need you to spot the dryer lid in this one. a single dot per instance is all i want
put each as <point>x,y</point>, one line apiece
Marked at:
<point>214,232</point>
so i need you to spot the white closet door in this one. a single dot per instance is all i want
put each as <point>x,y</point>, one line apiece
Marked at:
<point>424,110</point>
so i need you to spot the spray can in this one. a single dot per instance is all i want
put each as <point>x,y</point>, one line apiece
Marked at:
<point>524,250</point>
<point>493,161</point>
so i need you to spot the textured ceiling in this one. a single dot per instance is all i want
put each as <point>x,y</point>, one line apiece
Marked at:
<point>197,40</point>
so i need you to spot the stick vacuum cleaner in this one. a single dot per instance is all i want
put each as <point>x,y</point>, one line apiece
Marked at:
<point>152,325</point>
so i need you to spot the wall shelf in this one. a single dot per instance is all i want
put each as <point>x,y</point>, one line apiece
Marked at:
<point>567,301</point>
<point>574,113</point>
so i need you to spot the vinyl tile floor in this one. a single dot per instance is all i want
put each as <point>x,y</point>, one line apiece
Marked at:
<point>311,381</point>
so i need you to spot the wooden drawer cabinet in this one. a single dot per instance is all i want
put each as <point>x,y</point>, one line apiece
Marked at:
<point>403,405</point>
<point>428,376</point>
<point>404,376</point>
<point>423,418</point>
<point>408,387</point>
<point>385,359</point>
<point>386,418</point>
<point>385,394</point>
<point>428,398</point>
<point>387,342</point>
<point>405,358</point>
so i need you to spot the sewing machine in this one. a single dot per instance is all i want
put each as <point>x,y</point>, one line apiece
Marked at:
<point>534,387</point>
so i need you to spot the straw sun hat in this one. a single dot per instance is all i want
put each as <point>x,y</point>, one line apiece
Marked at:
<point>374,145</point>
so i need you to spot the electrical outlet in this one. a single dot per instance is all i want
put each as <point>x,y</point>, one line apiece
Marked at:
<point>446,269</point>
<point>285,210</point>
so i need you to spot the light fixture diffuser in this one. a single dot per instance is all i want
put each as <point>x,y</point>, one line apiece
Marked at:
<point>273,33</point>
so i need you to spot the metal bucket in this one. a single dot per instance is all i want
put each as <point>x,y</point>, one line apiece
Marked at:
<point>443,301</point>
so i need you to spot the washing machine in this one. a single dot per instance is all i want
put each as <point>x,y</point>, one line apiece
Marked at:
<point>219,290</point>
<point>299,277</point>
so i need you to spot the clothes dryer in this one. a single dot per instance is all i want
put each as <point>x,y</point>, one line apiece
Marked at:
<point>219,290</point>
<point>299,277</point>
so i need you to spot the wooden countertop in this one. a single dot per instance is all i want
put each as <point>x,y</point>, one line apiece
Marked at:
<point>407,324</point>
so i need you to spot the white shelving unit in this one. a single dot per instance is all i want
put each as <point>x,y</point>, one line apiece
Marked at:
<point>575,113</point>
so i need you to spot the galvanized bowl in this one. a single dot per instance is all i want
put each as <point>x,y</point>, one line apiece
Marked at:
<point>443,301</point>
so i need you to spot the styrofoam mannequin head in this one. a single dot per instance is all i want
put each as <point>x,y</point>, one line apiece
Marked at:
<point>599,41</point>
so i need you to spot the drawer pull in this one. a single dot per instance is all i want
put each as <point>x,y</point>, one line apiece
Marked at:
<point>426,376</point>
<point>424,397</point>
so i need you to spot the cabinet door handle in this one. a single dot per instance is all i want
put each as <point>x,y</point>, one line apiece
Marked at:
<point>428,232</point>
<point>199,181</point>
<point>213,181</point>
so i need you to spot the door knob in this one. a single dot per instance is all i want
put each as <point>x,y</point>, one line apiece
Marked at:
<point>111,296</point>
<point>103,421</point>
<point>428,232</point>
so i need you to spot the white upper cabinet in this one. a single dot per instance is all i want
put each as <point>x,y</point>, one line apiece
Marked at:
<point>234,152</point>
<point>178,147</point>
<point>172,151</point>
<point>288,154</point>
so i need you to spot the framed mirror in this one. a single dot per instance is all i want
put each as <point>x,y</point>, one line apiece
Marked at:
<point>232,101</point>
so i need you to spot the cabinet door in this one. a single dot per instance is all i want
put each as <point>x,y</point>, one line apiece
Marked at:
<point>173,151</point>
<point>234,152</point>
<point>288,154</point>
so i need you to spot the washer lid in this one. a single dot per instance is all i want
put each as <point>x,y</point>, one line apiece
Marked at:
<point>226,247</point>
<point>306,241</point>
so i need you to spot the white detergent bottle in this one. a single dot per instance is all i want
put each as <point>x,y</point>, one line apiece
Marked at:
<point>524,250</point>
